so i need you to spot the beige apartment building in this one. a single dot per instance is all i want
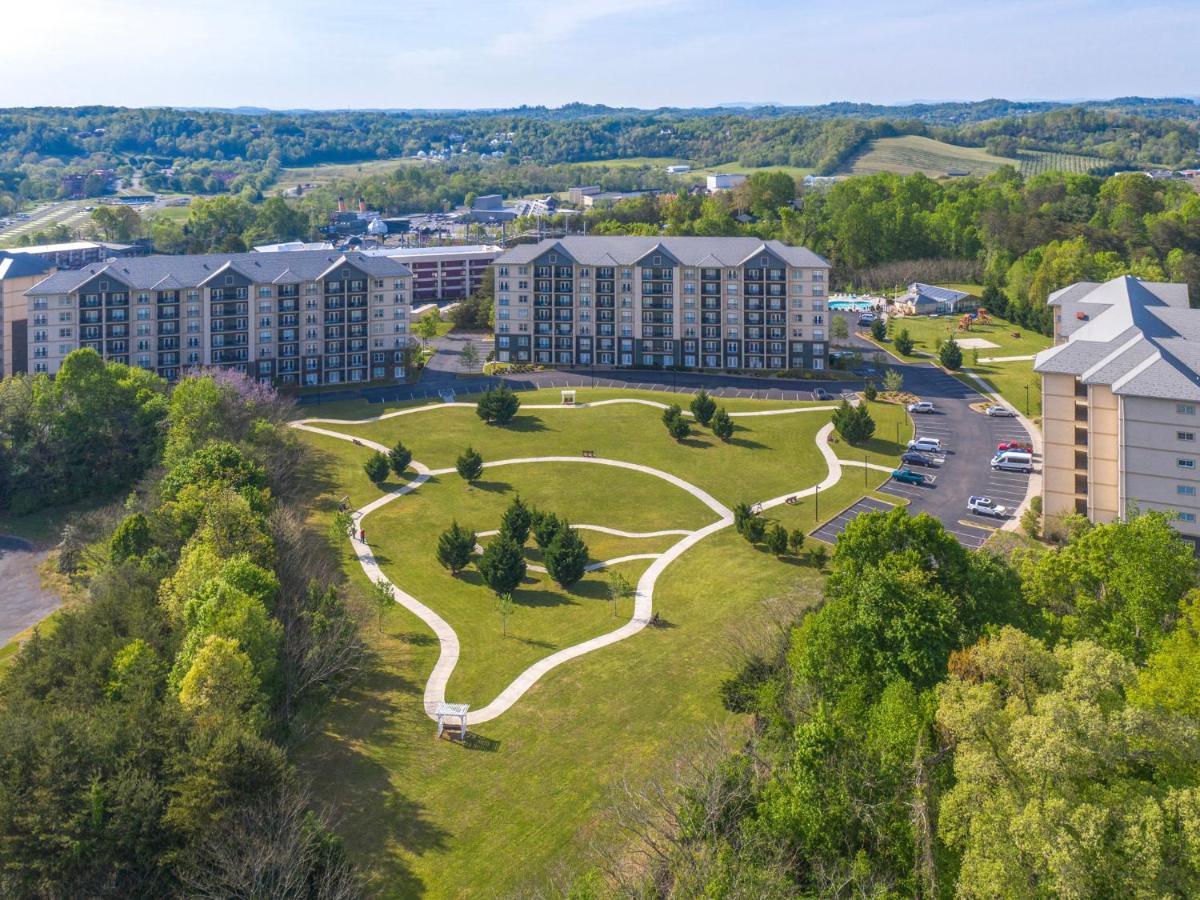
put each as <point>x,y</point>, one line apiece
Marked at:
<point>1121,402</point>
<point>714,303</point>
<point>307,318</point>
<point>18,273</point>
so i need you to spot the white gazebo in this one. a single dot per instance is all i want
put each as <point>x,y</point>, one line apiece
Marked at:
<point>452,710</point>
<point>568,398</point>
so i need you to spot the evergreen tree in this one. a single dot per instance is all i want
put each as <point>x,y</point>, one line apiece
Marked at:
<point>722,425</point>
<point>516,521</point>
<point>377,468</point>
<point>469,465</point>
<point>546,528</point>
<point>950,355</point>
<point>455,546</point>
<point>677,426</point>
<point>502,565</point>
<point>498,405</point>
<point>566,557</point>
<point>703,406</point>
<point>878,328</point>
<point>131,539</point>
<point>904,343</point>
<point>777,539</point>
<point>399,457</point>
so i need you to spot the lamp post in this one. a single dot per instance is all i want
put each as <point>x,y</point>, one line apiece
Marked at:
<point>1026,399</point>
<point>817,504</point>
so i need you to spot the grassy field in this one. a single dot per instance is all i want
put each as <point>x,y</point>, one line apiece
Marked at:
<point>912,153</point>
<point>290,176</point>
<point>661,162</point>
<point>527,801</point>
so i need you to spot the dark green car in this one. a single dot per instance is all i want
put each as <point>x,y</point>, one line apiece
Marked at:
<point>908,476</point>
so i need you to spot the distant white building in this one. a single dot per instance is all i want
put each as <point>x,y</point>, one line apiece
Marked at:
<point>678,170</point>
<point>723,181</point>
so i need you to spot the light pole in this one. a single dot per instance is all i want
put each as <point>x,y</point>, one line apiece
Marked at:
<point>1026,399</point>
<point>817,504</point>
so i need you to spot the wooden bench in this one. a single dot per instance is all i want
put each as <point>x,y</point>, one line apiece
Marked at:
<point>590,454</point>
<point>792,501</point>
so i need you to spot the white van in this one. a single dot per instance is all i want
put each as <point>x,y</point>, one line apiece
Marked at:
<point>1013,461</point>
<point>925,445</point>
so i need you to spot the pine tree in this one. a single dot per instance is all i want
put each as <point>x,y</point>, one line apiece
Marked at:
<point>469,465</point>
<point>516,521</point>
<point>546,528</point>
<point>566,557</point>
<point>950,355</point>
<point>377,468</point>
<point>455,546</point>
<point>399,457</point>
<point>722,425</point>
<point>502,565</point>
<point>703,407</point>
<point>777,539</point>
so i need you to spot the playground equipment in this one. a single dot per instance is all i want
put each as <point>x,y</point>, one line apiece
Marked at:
<point>979,317</point>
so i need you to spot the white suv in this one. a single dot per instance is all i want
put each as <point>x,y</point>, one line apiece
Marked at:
<point>985,506</point>
<point>926,444</point>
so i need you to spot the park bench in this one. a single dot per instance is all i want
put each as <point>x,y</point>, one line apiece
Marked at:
<point>590,454</point>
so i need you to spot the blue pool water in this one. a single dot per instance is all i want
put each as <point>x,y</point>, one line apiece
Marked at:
<point>851,304</point>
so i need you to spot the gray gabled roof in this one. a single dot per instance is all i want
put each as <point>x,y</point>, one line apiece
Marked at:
<point>1140,338</point>
<point>21,266</point>
<point>145,272</point>
<point>597,250</point>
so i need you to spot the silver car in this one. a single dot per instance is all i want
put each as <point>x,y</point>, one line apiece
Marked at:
<point>1002,411</point>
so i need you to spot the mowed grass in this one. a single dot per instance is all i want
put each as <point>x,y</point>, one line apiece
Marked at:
<point>766,457</point>
<point>913,153</point>
<point>893,430</point>
<point>527,800</point>
<point>290,176</point>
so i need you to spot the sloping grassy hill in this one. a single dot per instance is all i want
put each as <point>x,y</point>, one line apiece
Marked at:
<point>912,153</point>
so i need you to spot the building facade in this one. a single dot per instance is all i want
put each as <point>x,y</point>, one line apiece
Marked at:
<point>18,273</point>
<point>294,319</point>
<point>1120,401</point>
<point>441,274</point>
<point>645,302</point>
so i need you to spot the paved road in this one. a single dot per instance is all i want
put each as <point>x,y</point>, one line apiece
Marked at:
<point>23,601</point>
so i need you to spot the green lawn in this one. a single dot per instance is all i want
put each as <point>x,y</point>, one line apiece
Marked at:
<point>528,800</point>
<point>893,430</point>
<point>912,153</point>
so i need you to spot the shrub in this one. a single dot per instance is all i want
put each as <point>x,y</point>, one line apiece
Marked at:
<point>904,342</point>
<point>546,528</point>
<point>796,541</point>
<point>703,406</point>
<point>399,457</point>
<point>455,546</point>
<point>469,465</point>
<point>1031,519</point>
<point>870,392</point>
<point>950,355</point>
<point>502,566</point>
<point>132,538</point>
<point>722,425</point>
<point>677,426</point>
<point>739,693</point>
<point>879,329</point>
<point>819,555</point>
<point>777,539</point>
<point>566,557</point>
<point>893,381</point>
<point>853,423</point>
<point>377,468</point>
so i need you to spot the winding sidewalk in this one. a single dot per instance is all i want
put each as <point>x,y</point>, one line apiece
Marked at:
<point>643,605</point>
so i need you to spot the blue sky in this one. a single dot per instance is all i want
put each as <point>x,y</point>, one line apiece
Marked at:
<point>471,53</point>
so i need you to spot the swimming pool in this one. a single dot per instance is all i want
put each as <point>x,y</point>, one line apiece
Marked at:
<point>853,303</point>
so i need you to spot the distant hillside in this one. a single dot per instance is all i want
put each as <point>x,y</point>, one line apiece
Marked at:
<point>913,153</point>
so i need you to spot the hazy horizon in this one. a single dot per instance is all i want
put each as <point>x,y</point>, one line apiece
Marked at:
<point>637,53</point>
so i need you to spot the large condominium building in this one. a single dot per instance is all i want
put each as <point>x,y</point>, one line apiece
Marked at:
<point>1121,402</point>
<point>677,302</point>
<point>303,318</point>
<point>443,273</point>
<point>18,273</point>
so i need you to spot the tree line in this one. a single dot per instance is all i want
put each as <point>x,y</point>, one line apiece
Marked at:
<point>143,738</point>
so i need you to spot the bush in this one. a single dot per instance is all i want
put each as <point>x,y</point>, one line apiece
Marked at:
<point>502,565</point>
<point>739,693</point>
<point>722,425</point>
<point>893,381</point>
<point>796,541</point>
<point>904,342</point>
<point>703,406</point>
<point>455,546</point>
<point>399,457</point>
<point>377,468</point>
<point>950,355</point>
<point>469,465</point>
<point>131,539</point>
<point>777,539</point>
<point>546,527</point>
<point>870,392</point>
<point>1031,519</point>
<point>819,554</point>
<point>879,329</point>
<point>498,405</point>
<point>566,557</point>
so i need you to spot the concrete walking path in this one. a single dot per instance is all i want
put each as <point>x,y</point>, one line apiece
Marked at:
<point>1003,359</point>
<point>435,687</point>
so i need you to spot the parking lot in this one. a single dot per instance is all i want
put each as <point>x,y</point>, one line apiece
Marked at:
<point>969,441</point>
<point>834,527</point>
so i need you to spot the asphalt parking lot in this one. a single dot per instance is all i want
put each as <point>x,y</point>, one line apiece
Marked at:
<point>832,529</point>
<point>969,440</point>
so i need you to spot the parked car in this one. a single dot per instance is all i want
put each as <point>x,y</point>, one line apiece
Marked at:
<point>908,476</point>
<point>866,318</point>
<point>985,506</point>
<point>1013,461</point>
<point>926,444</point>
<point>822,394</point>
<point>914,458</point>
<point>921,406</point>
<point>999,411</point>
<point>1013,445</point>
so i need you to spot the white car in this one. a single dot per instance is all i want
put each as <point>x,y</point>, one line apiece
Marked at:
<point>926,444</point>
<point>999,411</point>
<point>986,506</point>
<point>921,406</point>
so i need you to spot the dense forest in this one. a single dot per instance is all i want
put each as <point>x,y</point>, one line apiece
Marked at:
<point>212,151</point>
<point>144,731</point>
<point>952,723</point>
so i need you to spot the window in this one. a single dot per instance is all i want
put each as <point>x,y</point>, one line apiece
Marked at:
<point>1185,409</point>
<point>1187,517</point>
<point>1185,463</point>
<point>1185,435</point>
<point>1185,490</point>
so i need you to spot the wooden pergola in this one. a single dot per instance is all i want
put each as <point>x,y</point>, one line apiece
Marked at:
<point>452,711</point>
